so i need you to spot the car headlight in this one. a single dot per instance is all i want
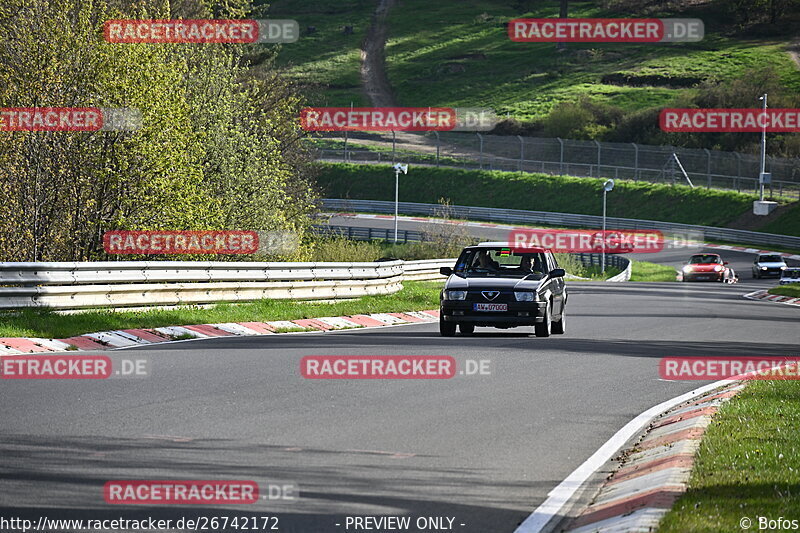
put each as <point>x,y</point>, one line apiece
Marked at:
<point>719,268</point>
<point>455,295</point>
<point>783,267</point>
<point>687,268</point>
<point>763,268</point>
<point>525,296</point>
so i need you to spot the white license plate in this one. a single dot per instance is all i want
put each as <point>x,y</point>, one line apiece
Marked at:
<point>490,307</point>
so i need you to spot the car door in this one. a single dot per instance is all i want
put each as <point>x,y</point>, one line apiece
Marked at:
<point>557,286</point>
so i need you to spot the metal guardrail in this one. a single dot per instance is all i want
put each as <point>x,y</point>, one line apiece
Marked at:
<point>519,216</point>
<point>367,234</point>
<point>617,261</point>
<point>140,283</point>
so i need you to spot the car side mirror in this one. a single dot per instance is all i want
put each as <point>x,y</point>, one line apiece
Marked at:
<point>445,271</point>
<point>724,262</point>
<point>557,273</point>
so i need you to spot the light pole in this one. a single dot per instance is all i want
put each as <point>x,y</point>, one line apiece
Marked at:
<point>763,147</point>
<point>607,187</point>
<point>398,168</point>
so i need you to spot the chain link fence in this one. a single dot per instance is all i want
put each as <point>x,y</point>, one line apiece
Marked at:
<point>657,164</point>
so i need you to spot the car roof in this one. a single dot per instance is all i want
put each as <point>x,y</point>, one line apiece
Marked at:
<point>770,255</point>
<point>505,244</point>
<point>697,255</point>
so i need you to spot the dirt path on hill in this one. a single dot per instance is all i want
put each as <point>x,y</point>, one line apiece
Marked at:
<point>373,59</point>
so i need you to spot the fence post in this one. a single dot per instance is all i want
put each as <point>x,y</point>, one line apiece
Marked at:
<point>394,141</point>
<point>437,147</point>
<point>635,161</point>
<point>480,157</point>
<point>521,152</point>
<point>708,166</point>
<point>561,158</point>
<point>598,157</point>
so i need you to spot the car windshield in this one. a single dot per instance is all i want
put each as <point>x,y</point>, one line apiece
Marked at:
<point>501,262</point>
<point>704,258</point>
<point>770,259</point>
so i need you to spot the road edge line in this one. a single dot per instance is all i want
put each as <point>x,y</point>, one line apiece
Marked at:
<point>557,498</point>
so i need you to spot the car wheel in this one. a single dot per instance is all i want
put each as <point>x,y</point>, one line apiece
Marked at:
<point>558,327</point>
<point>447,329</point>
<point>466,329</point>
<point>542,329</point>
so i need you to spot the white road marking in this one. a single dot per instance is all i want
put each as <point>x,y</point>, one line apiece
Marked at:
<point>560,495</point>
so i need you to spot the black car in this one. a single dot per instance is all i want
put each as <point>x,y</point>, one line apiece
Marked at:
<point>495,285</point>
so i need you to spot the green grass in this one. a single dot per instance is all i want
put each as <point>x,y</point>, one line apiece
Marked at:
<point>537,192</point>
<point>415,296</point>
<point>748,463</point>
<point>787,224</point>
<point>458,54</point>
<point>645,271</point>
<point>327,58</point>
<point>787,290</point>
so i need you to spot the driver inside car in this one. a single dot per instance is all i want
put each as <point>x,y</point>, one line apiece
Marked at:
<point>526,266</point>
<point>483,261</point>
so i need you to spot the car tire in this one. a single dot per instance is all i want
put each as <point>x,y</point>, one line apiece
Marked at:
<point>558,327</point>
<point>466,329</point>
<point>447,329</point>
<point>543,328</point>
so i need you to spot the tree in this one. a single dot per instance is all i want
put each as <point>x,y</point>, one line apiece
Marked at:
<point>218,147</point>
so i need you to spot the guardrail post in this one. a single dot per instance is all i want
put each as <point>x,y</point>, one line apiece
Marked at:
<point>561,157</point>
<point>635,161</point>
<point>521,152</point>
<point>437,147</point>
<point>708,166</point>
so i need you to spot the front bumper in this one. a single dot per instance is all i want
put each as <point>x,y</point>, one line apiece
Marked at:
<point>704,276</point>
<point>518,314</point>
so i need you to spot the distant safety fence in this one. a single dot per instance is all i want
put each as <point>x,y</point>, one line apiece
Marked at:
<point>518,216</point>
<point>657,164</point>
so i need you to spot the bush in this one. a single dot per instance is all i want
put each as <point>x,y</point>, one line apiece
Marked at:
<point>341,250</point>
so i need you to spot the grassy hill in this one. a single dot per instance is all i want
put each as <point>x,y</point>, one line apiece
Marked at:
<point>536,192</point>
<point>457,53</point>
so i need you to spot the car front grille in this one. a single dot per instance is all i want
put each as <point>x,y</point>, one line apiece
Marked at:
<point>476,296</point>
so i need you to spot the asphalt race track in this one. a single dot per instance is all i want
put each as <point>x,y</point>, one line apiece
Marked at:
<point>484,449</point>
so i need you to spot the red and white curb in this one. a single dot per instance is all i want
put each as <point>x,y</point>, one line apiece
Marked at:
<point>511,227</point>
<point>125,338</point>
<point>665,428</point>
<point>653,474</point>
<point>777,298</point>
